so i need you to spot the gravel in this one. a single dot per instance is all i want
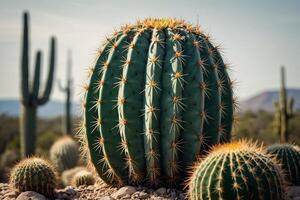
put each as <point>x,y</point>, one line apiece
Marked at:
<point>101,191</point>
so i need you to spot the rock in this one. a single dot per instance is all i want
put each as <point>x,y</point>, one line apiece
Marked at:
<point>293,191</point>
<point>161,191</point>
<point>107,198</point>
<point>30,195</point>
<point>12,194</point>
<point>70,191</point>
<point>127,196</point>
<point>143,195</point>
<point>123,191</point>
<point>173,194</point>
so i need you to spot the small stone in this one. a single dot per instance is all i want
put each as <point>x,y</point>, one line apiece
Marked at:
<point>107,198</point>
<point>30,195</point>
<point>294,191</point>
<point>173,194</point>
<point>12,194</point>
<point>70,191</point>
<point>127,196</point>
<point>90,187</point>
<point>135,195</point>
<point>161,191</point>
<point>126,190</point>
<point>143,195</point>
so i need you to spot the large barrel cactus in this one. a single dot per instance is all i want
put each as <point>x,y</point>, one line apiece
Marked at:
<point>238,170</point>
<point>159,95</point>
<point>288,156</point>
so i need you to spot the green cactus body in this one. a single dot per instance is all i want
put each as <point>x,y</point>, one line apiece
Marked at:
<point>289,157</point>
<point>83,178</point>
<point>30,91</point>
<point>155,102</point>
<point>237,170</point>
<point>34,174</point>
<point>64,153</point>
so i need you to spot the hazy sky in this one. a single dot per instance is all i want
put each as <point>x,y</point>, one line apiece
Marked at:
<point>257,36</point>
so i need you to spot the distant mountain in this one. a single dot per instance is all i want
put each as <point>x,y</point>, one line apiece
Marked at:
<point>262,101</point>
<point>51,109</point>
<point>265,100</point>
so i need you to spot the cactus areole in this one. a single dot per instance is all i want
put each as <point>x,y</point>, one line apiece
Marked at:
<point>158,97</point>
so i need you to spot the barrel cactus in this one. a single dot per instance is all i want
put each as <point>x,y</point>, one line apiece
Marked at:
<point>64,153</point>
<point>237,170</point>
<point>159,96</point>
<point>67,175</point>
<point>83,178</point>
<point>289,157</point>
<point>34,174</point>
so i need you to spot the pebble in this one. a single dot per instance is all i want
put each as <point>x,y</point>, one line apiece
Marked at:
<point>294,191</point>
<point>12,194</point>
<point>161,191</point>
<point>143,195</point>
<point>107,198</point>
<point>30,195</point>
<point>123,191</point>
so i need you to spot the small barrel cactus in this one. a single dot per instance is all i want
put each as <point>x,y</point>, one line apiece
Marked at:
<point>238,170</point>
<point>34,174</point>
<point>289,157</point>
<point>159,96</point>
<point>83,178</point>
<point>67,175</point>
<point>64,153</point>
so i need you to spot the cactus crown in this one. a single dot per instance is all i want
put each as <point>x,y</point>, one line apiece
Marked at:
<point>159,96</point>
<point>161,23</point>
<point>64,153</point>
<point>34,174</point>
<point>235,147</point>
<point>288,156</point>
<point>235,171</point>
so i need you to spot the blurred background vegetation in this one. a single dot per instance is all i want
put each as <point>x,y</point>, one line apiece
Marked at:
<point>252,125</point>
<point>49,130</point>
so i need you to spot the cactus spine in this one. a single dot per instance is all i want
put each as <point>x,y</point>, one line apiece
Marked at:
<point>289,157</point>
<point>30,98</point>
<point>34,174</point>
<point>64,153</point>
<point>68,92</point>
<point>159,96</point>
<point>283,111</point>
<point>237,170</point>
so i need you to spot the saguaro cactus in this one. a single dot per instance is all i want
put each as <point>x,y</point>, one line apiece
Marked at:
<point>158,97</point>
<point>283,111</point>
<point>30,97</point>
<point>68,92</point>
